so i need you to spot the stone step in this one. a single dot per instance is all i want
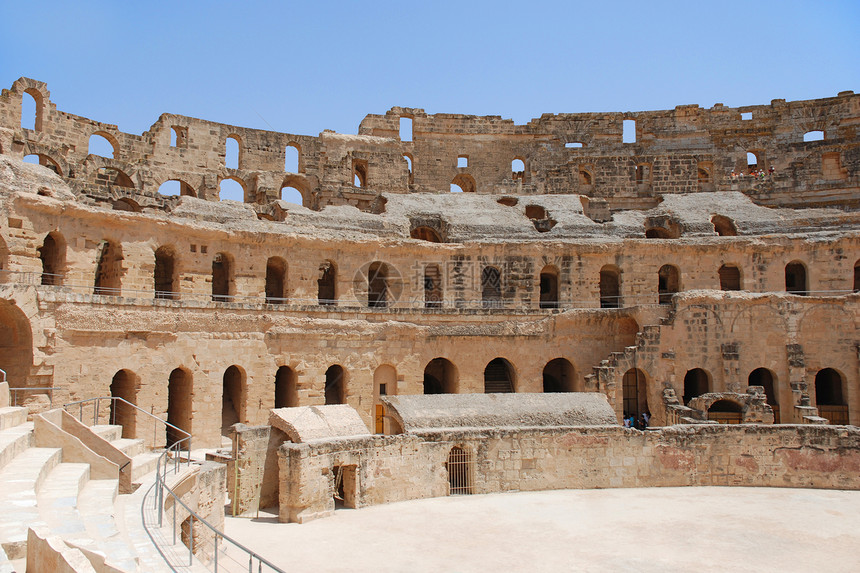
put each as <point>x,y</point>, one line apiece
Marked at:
<point>14,441</point>
<point>143,464</point>
<point>130,522</point>
<point>12,416</point>
<point>97,506</point>
<point>109,432</point>
<point>22,478</point>
<point>128,446</point>
<point>58,500</point>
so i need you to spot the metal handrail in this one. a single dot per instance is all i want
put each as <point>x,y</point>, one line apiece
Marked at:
<point>179,432</point>
<point>14,392</point>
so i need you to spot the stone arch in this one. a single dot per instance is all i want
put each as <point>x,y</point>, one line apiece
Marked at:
<point>276,280</point>
<point>53,256</point>
<point>634,391</point>
<point>233,152</point>
<point>293,158</point>
<point>286,388</point>
<point>726,411</point>
<point>441,377</point>
<point>697,381</point>
<point>109,269</point>
<point>16,344</point>
<point>223,286</point>
<point>174,186</point>
<point>96,138</point>
<point>668,283</point>
<point>180,401</point>
<point>796,278</point>
<point>559,376</point>
<point>335,385</point>
<point>766,378</point>
<point>124,385</point>
<point>302,187</point>
<point>425,233</point>
<point>46,161</point>
<point>549,287</point>
<point>465,182</point>
<point>39,103</point>
<point>234,398</point>
<point>165,275</point>
<point>610,287</point>
<point>831,396</point>
<point>499,377</point>
<point>242,184</point>
<point>724,226</point>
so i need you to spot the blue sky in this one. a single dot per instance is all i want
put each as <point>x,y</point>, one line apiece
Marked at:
<point>302,67</point>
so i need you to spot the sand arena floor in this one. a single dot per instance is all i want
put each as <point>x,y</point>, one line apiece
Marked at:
<point>629,530</point>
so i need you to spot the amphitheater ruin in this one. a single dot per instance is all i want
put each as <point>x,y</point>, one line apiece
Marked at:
<point>440,304</point>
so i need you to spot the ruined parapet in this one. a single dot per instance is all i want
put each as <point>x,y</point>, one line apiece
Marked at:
<point>751,406</point>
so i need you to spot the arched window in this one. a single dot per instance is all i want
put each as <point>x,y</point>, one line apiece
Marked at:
<point>585,176</point>
<point>101,146</point>
<point>668,283</point>
<point>730,277</point>
<point>610,287</point>
<point>491,287</point>
<point>498,377</point>
<point>635,394</point>
<point>377,285</point>
<point>408,159</point>
<point>359,173</point>
<point>558,376</point>
<point>326,294</point>
<point>696,383</point>
<point>549,287</point>
<point>752,160</point>
<point>233,398</point>
<point>109,269</point>
<point>180,391</point>
<point>440,377</point>
<point>231,189</point>
<point>176,187</point>
<point>165,277</point>
<point>459,467</point>
<point>222,277</point>
<point>233,152</point>
<point>276,280</point>
<point>286,388</point>
<point>432,286</point>
<point>124,386</point>
<point>725,412</point>
<point>724,226</point>
<point>31,109</point>
<point>335,386</point>
<point>830,396</point>
<point>53,256</point>
<point>44,161</point>
<point>518,169</point>
<point>465,182</point>
<point>764,378</point>
<point>795,278</point>
<point>292,195</point>
<point>292,161</point>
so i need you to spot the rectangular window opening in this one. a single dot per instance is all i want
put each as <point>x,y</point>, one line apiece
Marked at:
<point>629,131</point>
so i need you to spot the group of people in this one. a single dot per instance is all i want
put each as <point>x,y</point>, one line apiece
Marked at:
<point>630,421</point>
<point>755,173</point>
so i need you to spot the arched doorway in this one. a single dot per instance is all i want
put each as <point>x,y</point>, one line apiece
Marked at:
<point>276,280</point>
<point>53,256</point>
<point>610,287</point>
<point>109,269</point>
<point>326,293</point>
<point>459,467</point>
<point>725,412</point>
<point>634,391</point>
<point>830,396</point>
<point>16,344</point>
<point>286,388</point>
<point>440,377</point>
<point>233,398</point>
<point>222,277</point>
<point>498,377</point>
<point>335,387</point>
<point>549,287</point>
<point>795,278</point>
<point>668,283</point>
<point>696,383</point>
<point>558,376</point>
<point>124,385</point>
<point>166,286</point>
<point>765,378</point>
<point>180,395</point>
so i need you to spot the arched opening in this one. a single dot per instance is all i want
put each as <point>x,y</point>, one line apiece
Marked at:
<point>124,385</point>
<point>109,269</point>
<point>101,146</point>
<point>465,182</point>
<point>634,391</point>
<point>359,173</point>
<point>795,278</point>
<point>335,386</point>
<point>585,176</point>
<point>53,256</point>
<point>231,189</point>
<point>425,233</point>
<point>703,175</point>
<point>165,276</point>
<point>459,468</point>
<point>326,294</point>
<point>610,287</point>
<point>292,158</point>
<point>730,277</point>
<point>725,412</point>
<point>384,384</point>
<point>176,187</point>
<point>518,169</point>
<point>377,285</point>
<point>668,283</point>
<point>696,383</point>
<point>724,226</point>
<point>752,160</point>
<point>233,398</point>
<point>44,161</point>
<point>408,159</point>
<point>491,287</point>
<point>126,204</point>
<point>498,377</point>
<point>440,377</point>
<point>232,152</point>
<point>292,195</point>
<point>16,344</point>
<point>830,396</point>
<point>276,280</point>
<point>764,378</point>
<point>816,135</point>
<point>549,287</point>
<point>222,278</point>
<point>286,388</point>
<point>558,376</point>
<point>180,396</point>
<point>432,286</point>
<point>31,109</point>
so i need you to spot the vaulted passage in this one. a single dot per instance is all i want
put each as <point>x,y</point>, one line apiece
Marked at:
<point>668,283</point>
<point>124,385</point>
<point>166,286</point>
<point>610,288</point>
<point>335,387</point>
<point>326,283</point>
<point>764,378</point>
<point>498,377</point>
<point>232,398</point>
<point>549,287</point>
<point>286,388</point>
<point>440,377</point>
<point>558,376</point>
<point>830,396</point>
<point>725,412</point>
<point>53,256</point>
<point>634,392</point>
<point>109,269</point>
<point>222,277</point>
<point>180,394</point>
<point>795,278</point>
<point>16,344</point>
<point>276,280</point>
<point>696,383</point>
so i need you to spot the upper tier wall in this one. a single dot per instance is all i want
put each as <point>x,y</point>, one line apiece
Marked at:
<point>684,150</point>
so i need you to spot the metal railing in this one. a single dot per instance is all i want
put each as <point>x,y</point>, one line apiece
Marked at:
<point>16,391</point>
